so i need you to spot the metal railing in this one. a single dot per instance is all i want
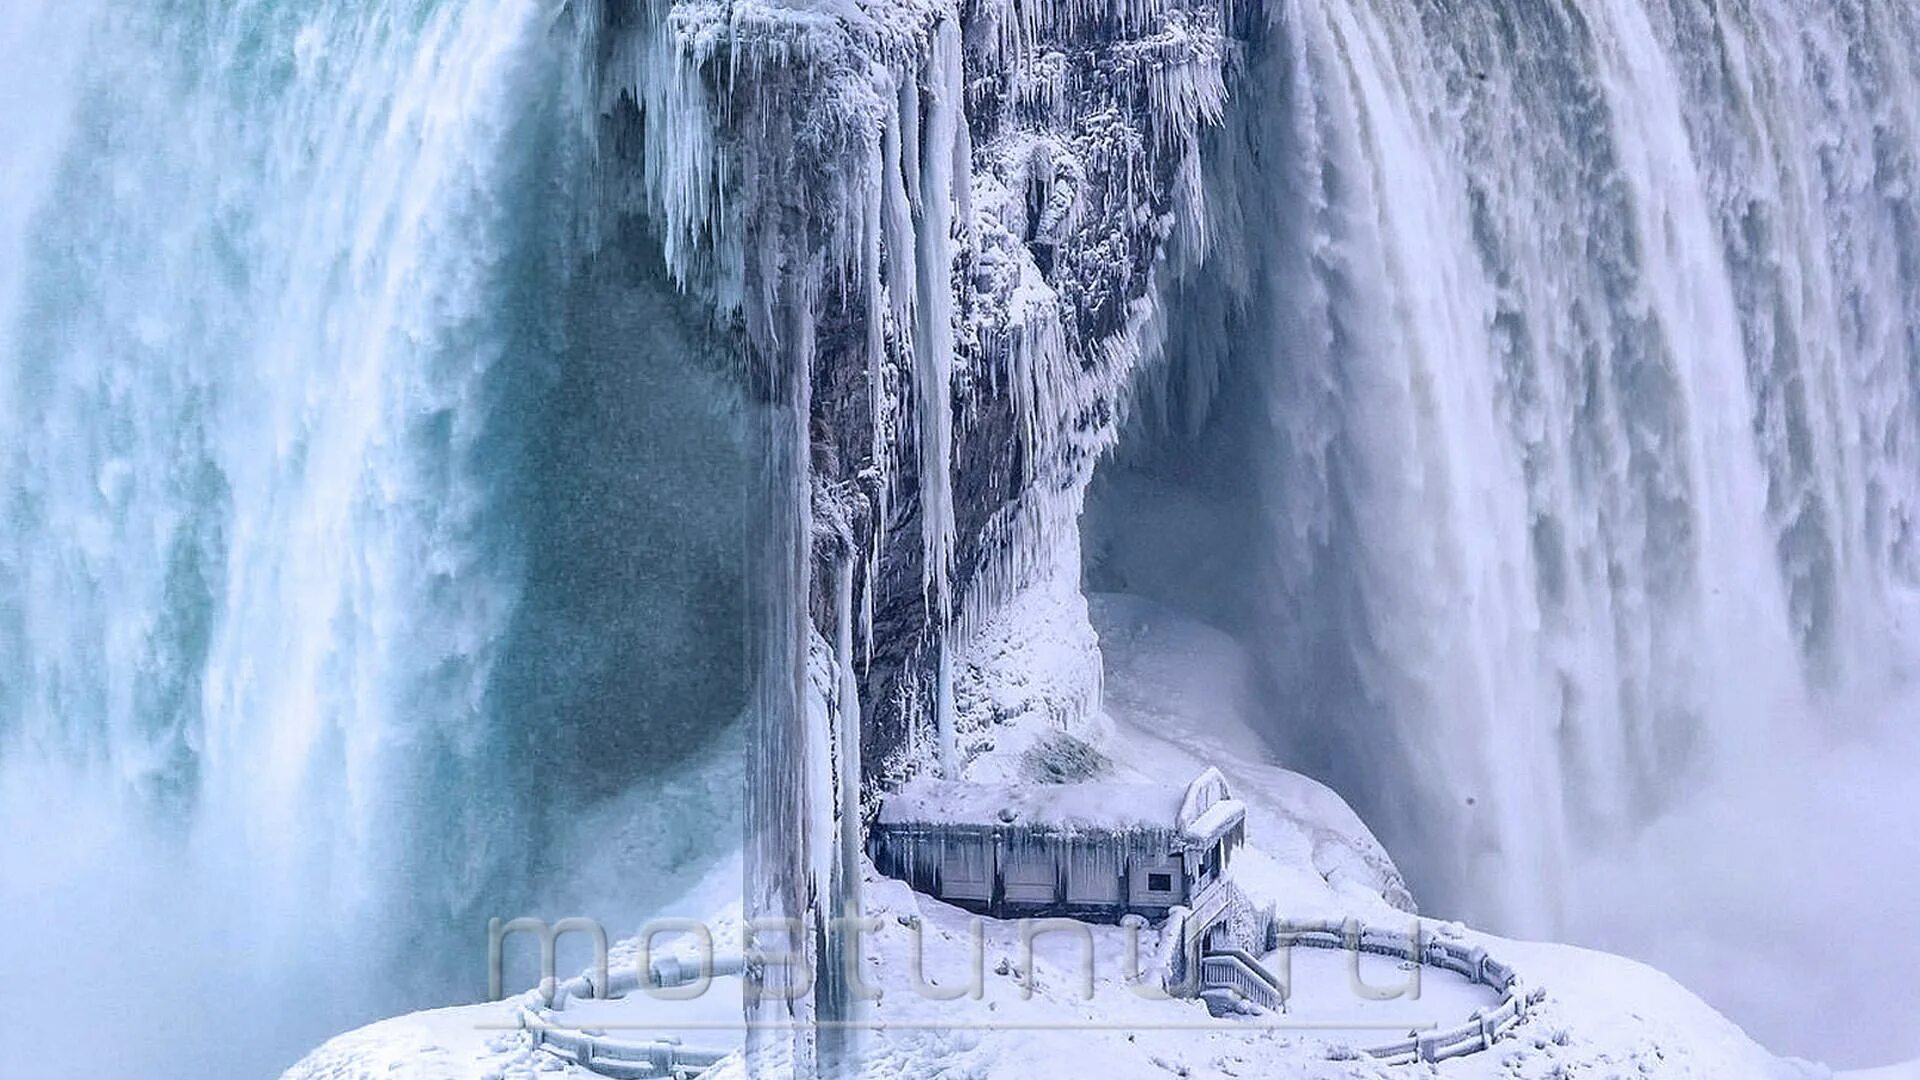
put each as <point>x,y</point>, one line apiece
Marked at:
<point>1481,1029</point>
<point>625,1059</point>
<point>1235,970</point>
<point>1222,968</point>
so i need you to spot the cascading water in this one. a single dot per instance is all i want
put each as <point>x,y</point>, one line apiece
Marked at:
<point>1541,405</point>
<point>327,461</point>
<point>1568,381</point>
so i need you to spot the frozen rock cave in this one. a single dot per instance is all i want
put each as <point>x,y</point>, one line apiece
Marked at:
<point>960,538</point>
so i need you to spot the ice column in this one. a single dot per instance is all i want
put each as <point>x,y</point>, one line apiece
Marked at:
<point>933,362</point>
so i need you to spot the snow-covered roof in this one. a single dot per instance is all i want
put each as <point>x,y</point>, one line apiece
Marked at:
<point>1212,824</point>
<point>1111,806</point>
<point>1090,806</point>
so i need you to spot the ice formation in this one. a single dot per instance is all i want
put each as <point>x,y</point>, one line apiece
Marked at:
<point>1543,381</point>
<point>949,239</point>
<point>935,247</point>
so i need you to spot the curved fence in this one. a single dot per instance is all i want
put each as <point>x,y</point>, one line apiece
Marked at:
<point>1471,962</point>
<point>628,1059</point>
<point>624,1059</point>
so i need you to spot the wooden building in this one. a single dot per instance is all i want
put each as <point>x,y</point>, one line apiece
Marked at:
<point>1094,851</point>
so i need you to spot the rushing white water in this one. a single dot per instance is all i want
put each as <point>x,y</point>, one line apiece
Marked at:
<point>319,464</point>
<point>254,300</point>
<point>1572,356</point>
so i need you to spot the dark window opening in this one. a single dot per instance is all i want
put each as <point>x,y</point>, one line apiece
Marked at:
<point>1159,882</point>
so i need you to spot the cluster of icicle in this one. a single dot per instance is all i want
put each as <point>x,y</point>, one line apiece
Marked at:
<point>801,165</point>
<point>1077,168</point>
<point>930,234</point>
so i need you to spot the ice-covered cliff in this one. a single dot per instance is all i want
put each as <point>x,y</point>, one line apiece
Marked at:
<point>934,230</point>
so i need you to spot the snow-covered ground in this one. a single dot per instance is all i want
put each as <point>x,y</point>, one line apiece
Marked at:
<point>961,996</point>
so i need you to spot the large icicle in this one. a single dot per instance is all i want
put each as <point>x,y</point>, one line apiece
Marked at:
<point>889,221</point>
<point>651,63</point>
<point>841,959</point>
<point>783,820</point>
<point>933,363</point>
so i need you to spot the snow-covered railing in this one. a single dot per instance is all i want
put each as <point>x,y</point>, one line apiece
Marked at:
<point>663,972</point>
<point>1206,790</point>
<point>1184,936</point>
<point>1208,908</point>
<point>1237,971</point>
<point>1471,962</point>
<point>625,1059</point>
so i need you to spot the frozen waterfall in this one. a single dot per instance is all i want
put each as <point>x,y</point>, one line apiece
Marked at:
<point>1562,407</point>
<point>433,436</point>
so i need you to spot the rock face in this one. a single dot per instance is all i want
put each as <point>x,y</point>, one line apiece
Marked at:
<point>1082,132</point>
<point>935,227</point>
